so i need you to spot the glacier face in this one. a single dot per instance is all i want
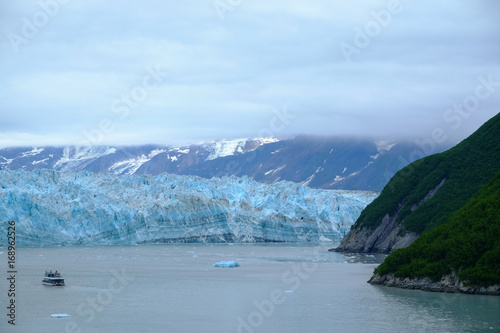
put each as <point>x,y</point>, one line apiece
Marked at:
<point>84,208</point>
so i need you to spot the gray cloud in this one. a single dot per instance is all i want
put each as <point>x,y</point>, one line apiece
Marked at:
<point>227,77</point>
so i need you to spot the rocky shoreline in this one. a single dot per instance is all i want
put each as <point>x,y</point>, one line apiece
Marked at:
<point>448,284</point>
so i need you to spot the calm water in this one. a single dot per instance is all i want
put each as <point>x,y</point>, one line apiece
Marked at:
<point>277,288</point>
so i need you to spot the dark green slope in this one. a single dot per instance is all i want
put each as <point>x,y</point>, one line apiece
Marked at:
<point>464,169</point>
<point>467,243</point>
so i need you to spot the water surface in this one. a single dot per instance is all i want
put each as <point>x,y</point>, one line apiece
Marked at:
<point>277,288</point>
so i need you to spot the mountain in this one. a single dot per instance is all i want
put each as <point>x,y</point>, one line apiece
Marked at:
<point>463,254</point>
<point>122,159</point>
<point>328,163</point>
<point>426,193</point>
<point>85,208</point>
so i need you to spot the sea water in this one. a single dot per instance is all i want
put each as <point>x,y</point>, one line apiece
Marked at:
<point>176,288</point>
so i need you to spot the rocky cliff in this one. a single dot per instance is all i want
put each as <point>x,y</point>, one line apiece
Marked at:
<point>388,236</point>
<point>449,283</point>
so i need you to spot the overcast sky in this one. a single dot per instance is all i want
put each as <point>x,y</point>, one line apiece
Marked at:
<point>178,72</point>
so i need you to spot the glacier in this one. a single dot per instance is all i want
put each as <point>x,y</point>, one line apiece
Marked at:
<point>84,208</point>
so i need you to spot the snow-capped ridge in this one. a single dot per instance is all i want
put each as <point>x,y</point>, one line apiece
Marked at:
<point>259,158</point>
<point>223,148</point>
<point>130,166</point>
<point>34,151</point>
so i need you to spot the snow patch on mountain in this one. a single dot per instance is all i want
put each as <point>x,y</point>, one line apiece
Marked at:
<point>130,166</point>
<point>384,145</point>
<point>33,152</point>
<point>311,178</point>
<point>180,150</point>
<point>75,157</point>
<point>41,161</point>
<point>275,170</point>
<point>338,178</point>
<point>7,160</point>
<point>308,180</point>
<point>225,148</point>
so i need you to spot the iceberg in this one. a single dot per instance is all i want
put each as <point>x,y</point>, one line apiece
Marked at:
<point>84,208</point>
<point>59,315</point>
<point>227,264</point>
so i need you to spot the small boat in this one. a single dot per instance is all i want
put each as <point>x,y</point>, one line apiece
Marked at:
<point>53,279</point>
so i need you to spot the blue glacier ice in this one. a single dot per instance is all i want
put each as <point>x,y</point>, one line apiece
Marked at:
<point>84,208</point>
<point>227,264</point>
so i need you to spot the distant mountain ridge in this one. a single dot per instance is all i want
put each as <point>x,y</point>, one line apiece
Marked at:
<point>328,163</point>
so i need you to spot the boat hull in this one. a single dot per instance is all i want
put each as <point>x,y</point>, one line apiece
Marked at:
<point>59,282</point>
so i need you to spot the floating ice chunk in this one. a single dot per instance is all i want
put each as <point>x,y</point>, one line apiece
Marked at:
<point>227,264</point>
<point>59,315</point>
<point>288,291</point>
